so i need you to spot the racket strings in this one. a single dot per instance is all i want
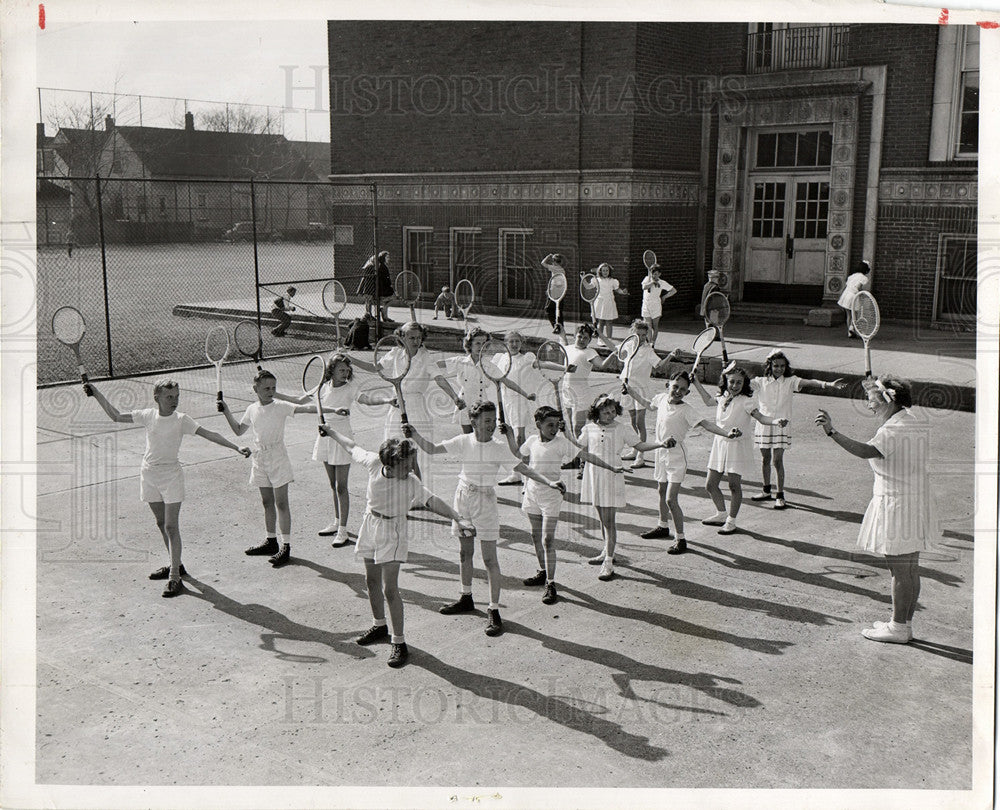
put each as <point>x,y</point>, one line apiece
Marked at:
<point>313,374</point>
<point>552,361</point>
<point>495,360</point>
<point>557,287</point>
<point>247,338</point>
<point>68,326</point>
<point>392,361</point>
<point>334,297</point>
<point>217,345</point>
<point>465,294</point>
<point>589,288</point>
<point>866,317</point>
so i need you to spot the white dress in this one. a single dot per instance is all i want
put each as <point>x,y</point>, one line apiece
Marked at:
<point>774,399</point>
<point>602,487</point>
<point>605,308</point>
<point>733,455</point>
<point>856,282</point>
<point>576,391</point>
<point>326,449</point>
<point>520,412</point>
<point>900,519</point>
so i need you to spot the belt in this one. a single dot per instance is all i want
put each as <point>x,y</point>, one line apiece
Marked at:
<point>380,516</point>
<point>476,487</point>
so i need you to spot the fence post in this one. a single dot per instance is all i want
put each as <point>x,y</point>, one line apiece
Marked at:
<point>104,273</point>
<point>256,264</point>
<point>378,295</point>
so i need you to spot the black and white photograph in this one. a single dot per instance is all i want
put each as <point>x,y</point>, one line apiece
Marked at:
<point>504,407</point>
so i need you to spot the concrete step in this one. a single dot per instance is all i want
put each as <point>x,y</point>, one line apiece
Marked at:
<point>770,313</point>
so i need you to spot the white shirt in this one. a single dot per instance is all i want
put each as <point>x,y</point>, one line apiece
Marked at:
<point>581,359</point>
<point>607,441</point>
<point>902,472</point>
<point>267,422</point>
<point>391,497</point>
<point>856,282</point>
<point>774,396</point>
<point>640,367</point>
<point>735,414</point>
<point>473,385</point>
<point>673,420</point>
<point>163,435</point>
<point>547,458</point>
<point>481,461</point>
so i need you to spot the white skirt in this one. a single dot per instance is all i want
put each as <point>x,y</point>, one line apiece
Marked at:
<point>602,487</point>
<point>605,309</point>
<point>330,452</point>
<point>732,455</point>
<point>894,525</point>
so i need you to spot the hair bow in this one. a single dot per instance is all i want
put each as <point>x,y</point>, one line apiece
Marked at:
<point>888,394</point>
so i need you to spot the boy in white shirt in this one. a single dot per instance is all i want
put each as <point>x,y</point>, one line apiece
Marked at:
<point>272,469</point>
<point>482,455</point>
<point>161,479</point>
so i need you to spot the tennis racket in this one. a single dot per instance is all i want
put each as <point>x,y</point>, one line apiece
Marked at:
<point>392,362</point>
<point>626,351</point>
<point>495,361</point>
<point>334,300</point>
<point>556,290</point>
<point>717,313</point>
<point>866,319</point>
<point>649,259</point>
<point>704,339</point>
<point>248,341</point>
<point>217,350</point>
<point>465,297</point>
<point>408,289</point>
<point>69,328</point>
<point>313,376</point>
<point>588,292</point>
<point>552,364</point>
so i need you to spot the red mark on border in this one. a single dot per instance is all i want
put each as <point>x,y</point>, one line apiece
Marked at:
<point>990,25</point>
<point>943,19</point>
<point>41,16</point>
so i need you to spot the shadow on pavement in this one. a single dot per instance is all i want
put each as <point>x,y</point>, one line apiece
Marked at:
<point>280,627</point>
<point>959,654</point>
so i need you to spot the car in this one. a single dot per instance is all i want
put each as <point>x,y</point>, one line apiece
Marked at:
<point>243,231</point>
<point>318,232</point>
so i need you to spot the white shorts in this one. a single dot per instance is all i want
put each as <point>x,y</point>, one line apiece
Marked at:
<point>654,311</point>
<point>382,539</point>
<point>330,452</point>
<point>670,466</point>
<point>540,500</point>
<point>271,467</point>
<point>161,483</point>
<point>478,505</point>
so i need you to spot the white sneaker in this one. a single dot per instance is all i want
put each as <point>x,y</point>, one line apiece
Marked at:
<point>630,454</point>
<point>885,626</point>
<point>718,519</point>
<point>597,559</point>
<point>330,530</point>
<point>886,634</point>
<point>341,538</point>
<point>639,462</point>
<point>607,570</point>
<point>729,527</point>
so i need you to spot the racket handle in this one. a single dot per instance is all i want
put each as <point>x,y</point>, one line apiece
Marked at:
<point>218,402</point>
<point>86,382</point>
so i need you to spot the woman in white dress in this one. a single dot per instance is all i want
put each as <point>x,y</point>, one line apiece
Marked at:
<point>519,410</point>
<point>900,521</point>
<point>605,308</point>
<point>856,282</point>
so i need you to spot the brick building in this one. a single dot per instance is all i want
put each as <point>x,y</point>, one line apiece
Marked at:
<point>770,157</point>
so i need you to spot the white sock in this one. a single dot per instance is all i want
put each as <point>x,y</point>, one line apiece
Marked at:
<point>897,627</point>
<point>394,639</point>
<point>466,591</point>
<point>378,623</point>
<point>494,606</point>
<point>663,524</point>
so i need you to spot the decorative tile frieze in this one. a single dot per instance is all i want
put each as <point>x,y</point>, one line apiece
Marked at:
<point>922,191</point>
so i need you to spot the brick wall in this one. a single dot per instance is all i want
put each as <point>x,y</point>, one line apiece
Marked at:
<point>906,255</point>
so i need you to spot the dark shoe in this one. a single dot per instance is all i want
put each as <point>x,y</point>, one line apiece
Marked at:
<point>173,588</point>
<point>679,547</point>
<point>282,556</point>
<point>494,627</point>
<point>550,597</point>
<point>535,579</point>
<point>268,547</point>
<point>658,533</point>
<point>463,605</point>
<point>164,573</point>
<point>372,634</point>
<point>398,656</point>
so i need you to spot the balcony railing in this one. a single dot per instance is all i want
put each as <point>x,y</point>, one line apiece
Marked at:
<point>820,46</point>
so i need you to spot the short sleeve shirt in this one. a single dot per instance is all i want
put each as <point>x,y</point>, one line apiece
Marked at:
<point>481,461</point>
<point>163,435</point>
<point>267,422</point>
<point>391,497</point>
<point>673,420</point>
<point>774,396</point>
<point>547,458</point>
<point>902,472</point>
<point>642,364</point>
<point>607,441</point>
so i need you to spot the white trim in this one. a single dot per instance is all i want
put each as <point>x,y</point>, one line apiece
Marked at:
<point>405,252</point>
<point>452,233</point>
<point>946,106</point>
<point>501,263</point>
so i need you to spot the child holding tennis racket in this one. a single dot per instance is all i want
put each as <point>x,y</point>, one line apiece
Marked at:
<point>473,384</point>
<point>161,477</point>
<point>638,373</point>
<point>581,358</point>
<point>271,472</point>
<point>383,541</point>
<point>553,262</point>
<point>338,392</point>
<point>774,389</point>
<point>732,454</point>
<point>654,291</point>
<point>482,455</point>
<point>674,420</point>
<point>605,308</point>
<point>604,438</point>
<point>518,409</point>
<point>545,452</point>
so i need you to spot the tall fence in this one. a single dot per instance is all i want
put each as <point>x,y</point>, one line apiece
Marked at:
<point>153,264</point>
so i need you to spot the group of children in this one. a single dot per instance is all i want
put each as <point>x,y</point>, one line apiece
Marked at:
<point>570,428</point>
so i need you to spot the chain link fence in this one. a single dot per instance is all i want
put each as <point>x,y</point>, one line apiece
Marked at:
<point>154,264</point>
